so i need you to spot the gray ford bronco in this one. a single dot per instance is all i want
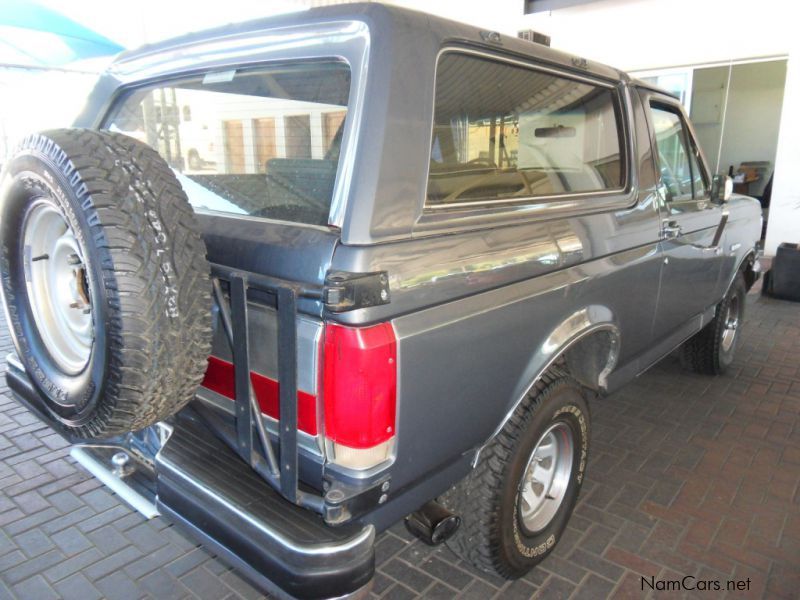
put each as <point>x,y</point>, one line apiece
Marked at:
<point>288,282</point>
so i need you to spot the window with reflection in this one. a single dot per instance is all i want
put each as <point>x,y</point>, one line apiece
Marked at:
<point>262,142</point>
<point>681,174</point>
<point>506,132</point>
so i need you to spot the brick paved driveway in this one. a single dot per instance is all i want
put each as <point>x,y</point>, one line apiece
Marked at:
<point>688,476</point>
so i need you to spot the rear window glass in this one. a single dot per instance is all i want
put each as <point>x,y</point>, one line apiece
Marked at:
<point>259,142</point>
<point>504,132</point>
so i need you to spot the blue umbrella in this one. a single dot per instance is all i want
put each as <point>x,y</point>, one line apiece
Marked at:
<point>35,36</point>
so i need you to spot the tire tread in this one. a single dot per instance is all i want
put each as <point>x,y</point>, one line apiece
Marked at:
<point>156,360</point>
<point>701,353</point>
<point>478,495</point>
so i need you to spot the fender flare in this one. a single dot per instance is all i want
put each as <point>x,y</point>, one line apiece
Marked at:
<point>576,327</point>
<point>750,255</point>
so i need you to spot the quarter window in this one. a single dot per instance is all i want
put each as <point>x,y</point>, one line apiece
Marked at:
<point>506,132</point>
<point>681,173</point>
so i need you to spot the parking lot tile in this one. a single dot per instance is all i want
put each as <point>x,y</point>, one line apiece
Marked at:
<point>687,475</point>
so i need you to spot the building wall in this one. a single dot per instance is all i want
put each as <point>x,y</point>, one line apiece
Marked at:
<point>707,108</point>
<point>784,220</point>
<point>646,34</point>
<point>751,116</point>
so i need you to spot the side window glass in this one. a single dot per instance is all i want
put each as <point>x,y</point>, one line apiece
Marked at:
<point>504,132</point>
<point>698,179</point>
<point>673,157</point>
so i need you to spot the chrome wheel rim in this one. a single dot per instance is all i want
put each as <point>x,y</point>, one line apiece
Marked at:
<point>58,288</point>
<point>731,323</point>
<point>546,477</point>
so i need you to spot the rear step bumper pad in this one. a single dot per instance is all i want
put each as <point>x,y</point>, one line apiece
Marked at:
<point>204,487</point>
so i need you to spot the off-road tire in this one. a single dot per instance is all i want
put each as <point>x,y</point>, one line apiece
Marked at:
<point>146,277</point>
<point>704,352</point>
<point>491,536</point>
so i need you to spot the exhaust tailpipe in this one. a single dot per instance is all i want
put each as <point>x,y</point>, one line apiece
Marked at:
<point>433,523</point>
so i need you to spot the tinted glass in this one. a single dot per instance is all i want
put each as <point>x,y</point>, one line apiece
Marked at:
<point>264,143</point>
<point>680,170</point>
<point>507,132</point>
<point>698,179</point>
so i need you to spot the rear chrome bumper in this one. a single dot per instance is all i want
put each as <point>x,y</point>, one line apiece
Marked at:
<point>189,476</point>
<point>205,487</point>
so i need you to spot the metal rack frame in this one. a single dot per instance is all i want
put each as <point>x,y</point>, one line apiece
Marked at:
<point>279,469</point>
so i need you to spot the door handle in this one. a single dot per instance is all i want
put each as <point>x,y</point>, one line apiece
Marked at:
<point>670,230</point>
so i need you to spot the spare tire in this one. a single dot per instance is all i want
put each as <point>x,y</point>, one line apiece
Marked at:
<point>105,280</point>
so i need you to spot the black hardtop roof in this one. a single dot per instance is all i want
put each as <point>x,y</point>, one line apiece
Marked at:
<point>389,20</point>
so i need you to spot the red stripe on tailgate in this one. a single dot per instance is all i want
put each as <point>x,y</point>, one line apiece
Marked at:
<point>219,378</point>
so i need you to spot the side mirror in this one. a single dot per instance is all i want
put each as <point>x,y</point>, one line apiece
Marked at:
<point>721,188</point>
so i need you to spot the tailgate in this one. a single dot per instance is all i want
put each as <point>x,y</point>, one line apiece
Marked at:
<point>268,280</point>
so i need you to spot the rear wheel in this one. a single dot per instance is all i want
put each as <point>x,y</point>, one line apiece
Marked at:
<point>517,501</point>
<point>105,280</point>
<point>711,350</point>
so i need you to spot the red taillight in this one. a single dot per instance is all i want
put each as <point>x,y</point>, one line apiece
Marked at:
<point>219,378</point>
<point>359,385</point>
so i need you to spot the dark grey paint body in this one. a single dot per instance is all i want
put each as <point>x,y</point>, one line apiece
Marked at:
<point>482,300</point>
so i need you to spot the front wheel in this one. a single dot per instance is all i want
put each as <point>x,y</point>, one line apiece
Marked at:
<point>711,350</point>
<point>516,503</point>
